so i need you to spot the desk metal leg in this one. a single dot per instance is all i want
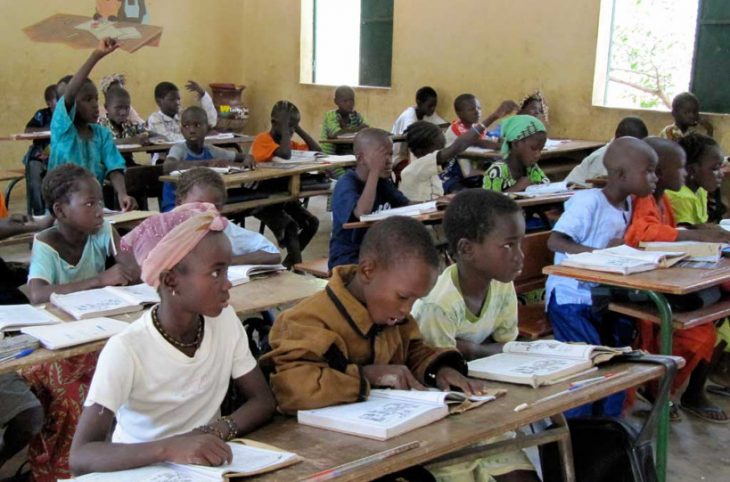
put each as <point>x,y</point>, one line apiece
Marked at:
<point>662,443</point>
<point>10,188</point>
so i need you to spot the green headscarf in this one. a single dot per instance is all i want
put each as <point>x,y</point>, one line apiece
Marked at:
<point>519,127</point>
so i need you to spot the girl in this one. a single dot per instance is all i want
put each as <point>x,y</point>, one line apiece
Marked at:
<point>524,139</point>
<point>71,256</point>
<point>163,379</point>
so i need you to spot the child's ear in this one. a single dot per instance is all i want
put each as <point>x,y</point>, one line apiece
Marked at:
<point>57,209</point>
<point>367,268</point>
<point>464,248</point>
<point>169,281</point>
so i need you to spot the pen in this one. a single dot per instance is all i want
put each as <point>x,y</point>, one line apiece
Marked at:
<point>583,384</point>
<point>20,354</point>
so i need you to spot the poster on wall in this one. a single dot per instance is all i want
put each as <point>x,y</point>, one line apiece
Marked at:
<point>122,20</point>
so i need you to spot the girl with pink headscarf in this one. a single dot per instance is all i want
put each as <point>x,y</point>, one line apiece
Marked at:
<point>165,376</point>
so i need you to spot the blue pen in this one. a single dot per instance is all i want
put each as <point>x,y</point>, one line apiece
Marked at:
<point>20,354</point>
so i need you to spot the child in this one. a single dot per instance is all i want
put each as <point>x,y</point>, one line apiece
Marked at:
<point>203,185</point>
<point>61,85</point>
<point>592,166</point>
<point>424,110</point>
<point>324,349</point>
<point>117,118</point>
<point>115,81</point>
<point>653,220</point>
<point>194,152</point>
<point>473,306</point>
<point>421,178</point>
<point>292,225</point>
<point>163,378</point>
<point>534,105</point>
<point>704,160</point>
<point>687,120</point>
<point>524,137</point>
<point>78,139</point>
<point>469,111</point>
<point>36,160</point>
<point>71,256</point>
<point>166,121</point>
<point>343,120</point>
<point>366,189</point>
<point>596,219</point>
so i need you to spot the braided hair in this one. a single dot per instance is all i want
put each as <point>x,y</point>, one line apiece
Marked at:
<point>695,146</point>
<point>61,182</point>
<point>199,176</point>
<point>284,106</point>
<point>422,135</point>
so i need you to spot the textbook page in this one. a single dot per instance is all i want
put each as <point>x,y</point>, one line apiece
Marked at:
<point>74,333</point>
<point>17,316</point>
<point>247,460</point>
<point>526,369</point>
<point>410,210</point>
<point>140,294</point>
<point>97,302</point>
<point>152,473</point>
<point>611,264</point>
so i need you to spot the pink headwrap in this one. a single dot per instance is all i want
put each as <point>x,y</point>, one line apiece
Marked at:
<point>162,241</point>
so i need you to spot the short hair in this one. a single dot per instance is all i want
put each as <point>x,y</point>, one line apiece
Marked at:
<point>65,79</point>
<point>461,101</point>
<point>631,126</point>
<point>397,238</point>
<point>425,93</point>
<point>472,215</point>
<point>116,92</point>
<point>343,90</point>
<point>536,97</point>
<point>422,135</point>
<point>164,88</point>
<point>284,106</point>
<point>50,93</point>
<point>695,145</point>
<point>195,110</point>
<point>61,182</point>
<point>683,98</point>
<point>366,137</point>
<point>199,176</point>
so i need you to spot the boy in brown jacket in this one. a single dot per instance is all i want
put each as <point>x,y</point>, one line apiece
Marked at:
<point>358,332</point>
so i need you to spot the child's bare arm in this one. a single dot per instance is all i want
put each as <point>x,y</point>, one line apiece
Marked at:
<point>703,234</point>
<point>312,144</point>
<point>20,224</point>
<point>40,290</point>
<point>376,160</point>
<point>561,243</point>
<point>488,144</point>
<point>257,257</point>
<point>522,183</point>
<point>126,202</point>
<point>105,47</point>
<point>258,408</point>
<point>473,351</point>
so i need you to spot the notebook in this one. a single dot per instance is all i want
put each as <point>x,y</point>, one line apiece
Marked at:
<point>389,413</point>
<point>623,260</point>
<point>542,362</point>
<point>695,250</point>
<point>249,458</point>
<point>107,301</point>
<point>302,157</point>
<point>243,273</point>
<point>119,217</point>
<point>539,190</point>
<point>219,170</point>
<point>13,317</point>
<point>72,333</point>
<point>410,210</point>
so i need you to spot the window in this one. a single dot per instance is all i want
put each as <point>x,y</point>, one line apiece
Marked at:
<point>347,42</point>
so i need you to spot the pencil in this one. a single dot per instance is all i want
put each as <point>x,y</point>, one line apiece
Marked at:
<point>330,474</point>
<point>588,383</point>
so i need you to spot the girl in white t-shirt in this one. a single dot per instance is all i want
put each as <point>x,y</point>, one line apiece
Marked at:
<point>163,379</point>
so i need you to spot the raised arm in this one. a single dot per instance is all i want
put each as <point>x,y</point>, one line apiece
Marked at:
<point>105,47</point>
<point>312,144</point>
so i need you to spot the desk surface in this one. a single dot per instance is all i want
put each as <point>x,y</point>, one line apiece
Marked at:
<point>675,281</point>
<point>323,449</point>
<point>165,146</point>
<point>281,289</point>
<point>350,140</point>
<point>565,147</point>
<point>11,174</point>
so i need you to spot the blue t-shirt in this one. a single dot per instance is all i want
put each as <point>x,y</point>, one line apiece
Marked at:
<point>345,243</point>
<point>589,219</point>
<point>99,155</point>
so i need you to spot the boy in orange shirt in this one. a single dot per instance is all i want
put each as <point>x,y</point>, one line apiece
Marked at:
<point>653,220</point>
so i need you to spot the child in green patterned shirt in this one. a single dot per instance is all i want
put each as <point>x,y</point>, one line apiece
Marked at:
<point>343,120</point>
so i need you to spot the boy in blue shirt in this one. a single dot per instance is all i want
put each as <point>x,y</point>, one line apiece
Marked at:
<point>36,160</point>
<point>597,219</point>
<point>366,189</point>
<point>78,139</point>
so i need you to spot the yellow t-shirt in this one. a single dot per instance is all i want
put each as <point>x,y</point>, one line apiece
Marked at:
<point>443,316</point>
<point>689,207</point>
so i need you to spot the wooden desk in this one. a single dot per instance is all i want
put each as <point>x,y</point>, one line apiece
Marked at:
<point>656,283</point>
<point>351,140</point>
<point>323,449</point>
<point>237,139</point>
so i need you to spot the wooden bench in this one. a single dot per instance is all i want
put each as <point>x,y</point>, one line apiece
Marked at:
<point>316,267</point>
<point>533,322</point>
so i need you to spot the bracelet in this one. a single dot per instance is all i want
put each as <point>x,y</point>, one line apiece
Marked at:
<point>210,429</point>
<point>232,428</point>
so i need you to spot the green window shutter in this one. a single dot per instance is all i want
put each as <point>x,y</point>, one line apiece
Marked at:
<point>376,42</point>
<point>711,66</point>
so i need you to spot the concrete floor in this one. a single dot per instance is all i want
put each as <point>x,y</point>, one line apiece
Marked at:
<point>698,451</point>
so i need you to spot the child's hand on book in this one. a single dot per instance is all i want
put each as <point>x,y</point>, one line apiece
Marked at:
<point>114,276</point>
<point>197,448</point>
<point>392,376</point>
<point>447,377</point>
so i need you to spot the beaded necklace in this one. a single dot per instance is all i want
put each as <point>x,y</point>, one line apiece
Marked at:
<point>195,343</point>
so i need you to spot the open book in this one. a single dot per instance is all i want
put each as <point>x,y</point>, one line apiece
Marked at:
<point>243,273</point>
<point>388,413</point>
<point>410,210</point>
<point>219,170</point>
<point>623,260</point>
<point>13,317</point>
<point>302,157</point>
<point>550,189</point>
<point>107,301</point>
<point>542,362</point>
<point>695,250</point>
<point>115,217</point>
<point>74,333</point>
<point>249,458</point>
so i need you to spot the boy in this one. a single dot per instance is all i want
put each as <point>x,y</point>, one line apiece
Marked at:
<point>166,121</point>
<point>343,120</point>
<point>116,118</point>
<point>653,220</point>
<point>469,110</point>
<point>204,185</point>
<point>424,110</point>
<point>596,219</point>
<point>194,152</point>
<point>292,225</point>
<point>687,120</point>
<point>358,333</point>
<point>592,166</point>
<point>366,189</point>
<point>36,160</point>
